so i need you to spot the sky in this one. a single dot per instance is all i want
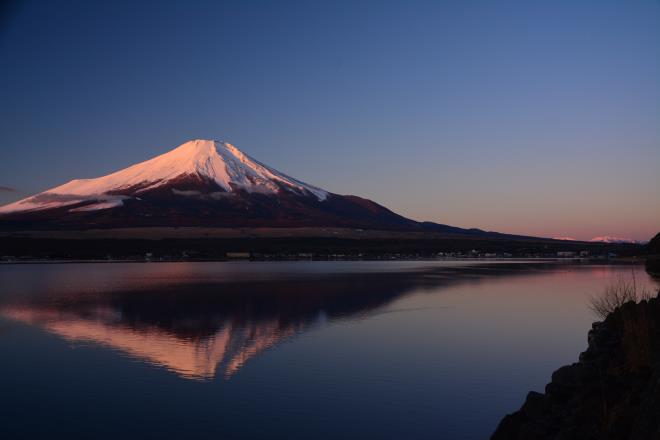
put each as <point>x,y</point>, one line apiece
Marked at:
<point>527,117</point>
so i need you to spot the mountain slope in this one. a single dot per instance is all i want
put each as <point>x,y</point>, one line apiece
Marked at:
<point>199,183</point>
<point>205,183</point>
<point>219,163</point>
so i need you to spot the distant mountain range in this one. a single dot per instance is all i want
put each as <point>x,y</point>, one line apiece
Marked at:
<point>606,239</point>
<point>204,183</point>
<point>610,239</point>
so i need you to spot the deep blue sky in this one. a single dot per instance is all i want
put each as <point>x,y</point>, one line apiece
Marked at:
<point>519,116</point>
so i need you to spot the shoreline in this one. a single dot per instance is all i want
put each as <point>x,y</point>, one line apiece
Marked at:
<point>626,261</point>
<point>335,247</point>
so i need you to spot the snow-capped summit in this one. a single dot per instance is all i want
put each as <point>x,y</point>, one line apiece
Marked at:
<point>221,162</point>
<point>611,239</point>
<point>209,184</point>
<point>216,162</point>
<point>199,183</point>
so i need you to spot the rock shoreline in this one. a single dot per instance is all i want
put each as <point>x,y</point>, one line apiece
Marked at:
<point>612,392</point>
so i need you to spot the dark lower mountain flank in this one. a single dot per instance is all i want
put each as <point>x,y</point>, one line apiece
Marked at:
<point>191,203</point>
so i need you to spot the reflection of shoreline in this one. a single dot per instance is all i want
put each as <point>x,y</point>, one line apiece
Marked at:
<point>200,330</point>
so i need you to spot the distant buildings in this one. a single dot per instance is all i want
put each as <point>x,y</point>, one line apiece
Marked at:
<point>238,255</point>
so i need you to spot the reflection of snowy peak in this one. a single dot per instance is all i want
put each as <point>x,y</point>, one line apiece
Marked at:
<point>217,162</point>
<point>228,349</point>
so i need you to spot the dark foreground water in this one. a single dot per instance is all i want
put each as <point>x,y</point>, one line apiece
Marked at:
<point>296,350</point>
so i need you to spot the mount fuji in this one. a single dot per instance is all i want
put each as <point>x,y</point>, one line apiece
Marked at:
<point>195,168</point>
<point>201,183</point>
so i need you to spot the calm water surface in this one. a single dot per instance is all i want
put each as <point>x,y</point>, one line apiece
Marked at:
<point>304,350</point>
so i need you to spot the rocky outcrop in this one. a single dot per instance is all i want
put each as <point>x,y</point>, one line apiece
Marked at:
<point>653,256</point>
<point>653,246</point>
<point>613,392</point>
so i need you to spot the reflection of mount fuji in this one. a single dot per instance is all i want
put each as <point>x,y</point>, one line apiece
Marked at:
<point>197,330</point>
<point>191,357</point>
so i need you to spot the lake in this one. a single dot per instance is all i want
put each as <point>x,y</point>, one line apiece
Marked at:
<point>304,350</point>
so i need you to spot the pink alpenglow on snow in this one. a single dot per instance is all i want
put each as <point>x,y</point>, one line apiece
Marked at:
<point>610,239</point>
<point>220,162</point>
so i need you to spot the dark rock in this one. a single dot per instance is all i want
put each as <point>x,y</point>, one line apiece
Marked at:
<point>612,393</point>
<point>535,405</point>
<point>653,246</point>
